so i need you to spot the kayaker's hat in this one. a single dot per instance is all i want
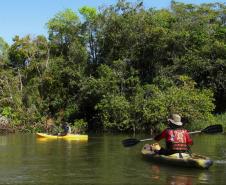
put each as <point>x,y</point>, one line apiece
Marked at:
<point>175,119</point>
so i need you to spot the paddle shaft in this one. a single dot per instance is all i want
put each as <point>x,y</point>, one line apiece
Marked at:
<point>210,129</point>
<point>195,132</point>
<point>150,139</point>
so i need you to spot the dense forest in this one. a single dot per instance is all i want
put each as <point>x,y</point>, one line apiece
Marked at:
<point>118,68</point>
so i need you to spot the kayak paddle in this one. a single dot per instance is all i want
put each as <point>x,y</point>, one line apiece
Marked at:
<point>212,129</point>
<point>133,141</point>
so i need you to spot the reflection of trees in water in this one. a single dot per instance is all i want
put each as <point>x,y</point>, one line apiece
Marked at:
<point>179,180</point>
<point>178,176</point>
<point>208,144</point>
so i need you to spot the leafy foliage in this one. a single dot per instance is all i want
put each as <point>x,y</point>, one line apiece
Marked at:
<point>122,68</point>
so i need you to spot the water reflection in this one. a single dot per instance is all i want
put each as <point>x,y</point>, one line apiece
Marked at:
<point>179,180</point>
<point>204,177</point>
<point>42,140</point>
<point>3,140</point>
<point>155,169</point>
<point>171,176</point>
<point>24,159</point>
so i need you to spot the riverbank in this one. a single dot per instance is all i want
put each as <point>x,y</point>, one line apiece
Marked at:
<point>7,127</point>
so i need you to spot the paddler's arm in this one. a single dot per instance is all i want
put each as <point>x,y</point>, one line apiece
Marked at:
<point>161,135</point>
<point>188,138</point>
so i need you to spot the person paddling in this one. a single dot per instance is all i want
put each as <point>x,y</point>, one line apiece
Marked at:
<point>177,138</point>
<point>66,129</point>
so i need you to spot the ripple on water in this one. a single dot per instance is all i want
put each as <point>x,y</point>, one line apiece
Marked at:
<point>220,161</point>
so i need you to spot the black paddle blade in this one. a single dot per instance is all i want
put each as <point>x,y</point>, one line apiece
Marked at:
<point>212,129</point>
<point>130,142</point>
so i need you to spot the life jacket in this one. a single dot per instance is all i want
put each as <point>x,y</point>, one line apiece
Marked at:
<point>176,140</point>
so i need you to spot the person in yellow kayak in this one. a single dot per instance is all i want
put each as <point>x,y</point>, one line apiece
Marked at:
<point>177,138</point>
<point>66,129</point>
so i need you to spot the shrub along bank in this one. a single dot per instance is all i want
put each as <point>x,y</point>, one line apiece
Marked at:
<point>122,68</point>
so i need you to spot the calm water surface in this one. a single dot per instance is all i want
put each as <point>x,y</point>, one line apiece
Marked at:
<point>102,160</point>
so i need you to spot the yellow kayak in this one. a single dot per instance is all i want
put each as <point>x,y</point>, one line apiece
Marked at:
<point>68,136</point>
<point>183,159</point>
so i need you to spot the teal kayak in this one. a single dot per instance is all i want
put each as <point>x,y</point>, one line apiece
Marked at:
<point>183,159</point>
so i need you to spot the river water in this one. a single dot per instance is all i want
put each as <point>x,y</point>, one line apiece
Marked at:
<point>27,160</point>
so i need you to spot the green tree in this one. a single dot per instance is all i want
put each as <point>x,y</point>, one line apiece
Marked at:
<point>89,27</point>
<point>63,29</point>
<point>114,112</point>
<point>3,51</point>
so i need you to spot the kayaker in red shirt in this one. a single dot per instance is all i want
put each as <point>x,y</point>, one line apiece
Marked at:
<point>177,138</point>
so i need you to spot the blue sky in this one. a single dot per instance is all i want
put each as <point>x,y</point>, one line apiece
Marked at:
<point>22,17</point>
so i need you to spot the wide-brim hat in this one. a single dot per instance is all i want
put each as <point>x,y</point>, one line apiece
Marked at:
<point>175,119</point>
